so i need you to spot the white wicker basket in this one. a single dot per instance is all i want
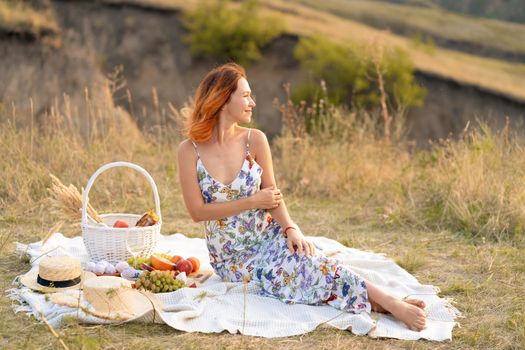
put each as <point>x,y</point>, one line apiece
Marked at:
<point>113,244</point>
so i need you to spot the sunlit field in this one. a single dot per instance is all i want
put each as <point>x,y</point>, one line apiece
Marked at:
<point>452,215</point>
<point>450,212</point>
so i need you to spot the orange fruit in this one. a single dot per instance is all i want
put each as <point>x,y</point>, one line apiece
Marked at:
<point>160,263</point>
<point>175,259</point>
<point>195,262</point>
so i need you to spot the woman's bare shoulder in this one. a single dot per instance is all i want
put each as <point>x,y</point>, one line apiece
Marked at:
<point>185,144</point>
<point>186,148</point>
<point>258,136</point>
<point>258,143</point>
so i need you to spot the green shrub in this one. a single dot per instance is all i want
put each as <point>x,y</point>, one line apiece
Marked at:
<point>226,31</point>
<point>351,74</point>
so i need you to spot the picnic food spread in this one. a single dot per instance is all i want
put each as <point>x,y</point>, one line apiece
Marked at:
<point>148,270</point>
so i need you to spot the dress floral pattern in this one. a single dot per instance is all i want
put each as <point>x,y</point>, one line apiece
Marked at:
<point>252,246</point>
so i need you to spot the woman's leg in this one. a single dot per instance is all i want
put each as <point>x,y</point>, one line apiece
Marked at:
<point>409,312</point>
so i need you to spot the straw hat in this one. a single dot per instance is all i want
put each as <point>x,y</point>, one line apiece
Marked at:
<point>108,297</point>
<point>55,274</point>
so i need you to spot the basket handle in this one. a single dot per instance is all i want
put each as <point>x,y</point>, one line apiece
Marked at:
<point>103,168</point>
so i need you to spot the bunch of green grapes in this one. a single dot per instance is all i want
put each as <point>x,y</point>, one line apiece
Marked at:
<point>159,281</point>
<point>137,261</point>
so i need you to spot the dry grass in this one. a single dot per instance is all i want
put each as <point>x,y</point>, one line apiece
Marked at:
<point>473,185</point>
<point>479,180</point>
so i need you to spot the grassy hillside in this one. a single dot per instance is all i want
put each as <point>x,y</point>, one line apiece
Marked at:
<point>506,10</point>
<point>433,22</point>
<point>486,73</point>
<point>491,74</point>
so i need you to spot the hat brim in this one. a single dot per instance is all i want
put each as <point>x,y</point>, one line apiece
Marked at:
<point>29,280</point>
<point>142,304</point>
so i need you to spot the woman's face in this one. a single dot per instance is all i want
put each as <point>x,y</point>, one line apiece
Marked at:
<point>239,107</point>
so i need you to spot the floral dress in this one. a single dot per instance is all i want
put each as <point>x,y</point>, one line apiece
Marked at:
<point>252,246</point>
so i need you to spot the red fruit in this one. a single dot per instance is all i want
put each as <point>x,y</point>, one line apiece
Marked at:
<point>120,224</point>
<point>193,285</point>
<point>184,266</point>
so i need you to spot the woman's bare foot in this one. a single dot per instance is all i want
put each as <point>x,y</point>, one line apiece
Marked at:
<point>416,302</point>
<point>408,311</point>
<point>411,313</point>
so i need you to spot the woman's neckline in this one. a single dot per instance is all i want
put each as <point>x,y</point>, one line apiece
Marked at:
<point>220,182</point>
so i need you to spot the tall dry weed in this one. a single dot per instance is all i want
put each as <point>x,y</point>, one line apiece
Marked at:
<point>333,151</point>
<point>476,184</point>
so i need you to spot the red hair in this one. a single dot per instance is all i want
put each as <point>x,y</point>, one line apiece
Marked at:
<point>212,94</point>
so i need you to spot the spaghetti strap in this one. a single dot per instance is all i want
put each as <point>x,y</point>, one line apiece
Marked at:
<point>196,149</point>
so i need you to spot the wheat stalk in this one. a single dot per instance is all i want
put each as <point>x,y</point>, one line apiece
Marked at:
<point>67,201</point>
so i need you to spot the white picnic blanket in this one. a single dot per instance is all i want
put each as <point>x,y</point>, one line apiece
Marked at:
<point>236,307</point>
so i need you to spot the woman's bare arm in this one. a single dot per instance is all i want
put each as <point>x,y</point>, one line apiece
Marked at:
<point>201,211</point>
<point>263,156</point>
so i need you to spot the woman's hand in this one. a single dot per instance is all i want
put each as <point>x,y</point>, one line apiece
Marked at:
<point>296,241</point>
<point>267,198</point>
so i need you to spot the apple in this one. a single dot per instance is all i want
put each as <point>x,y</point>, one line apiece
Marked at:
<point>184,266</point>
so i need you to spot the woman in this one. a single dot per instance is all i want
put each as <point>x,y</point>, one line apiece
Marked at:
<point>227,180</point>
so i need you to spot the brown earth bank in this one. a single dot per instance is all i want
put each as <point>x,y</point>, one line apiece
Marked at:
<point>147,43</point>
